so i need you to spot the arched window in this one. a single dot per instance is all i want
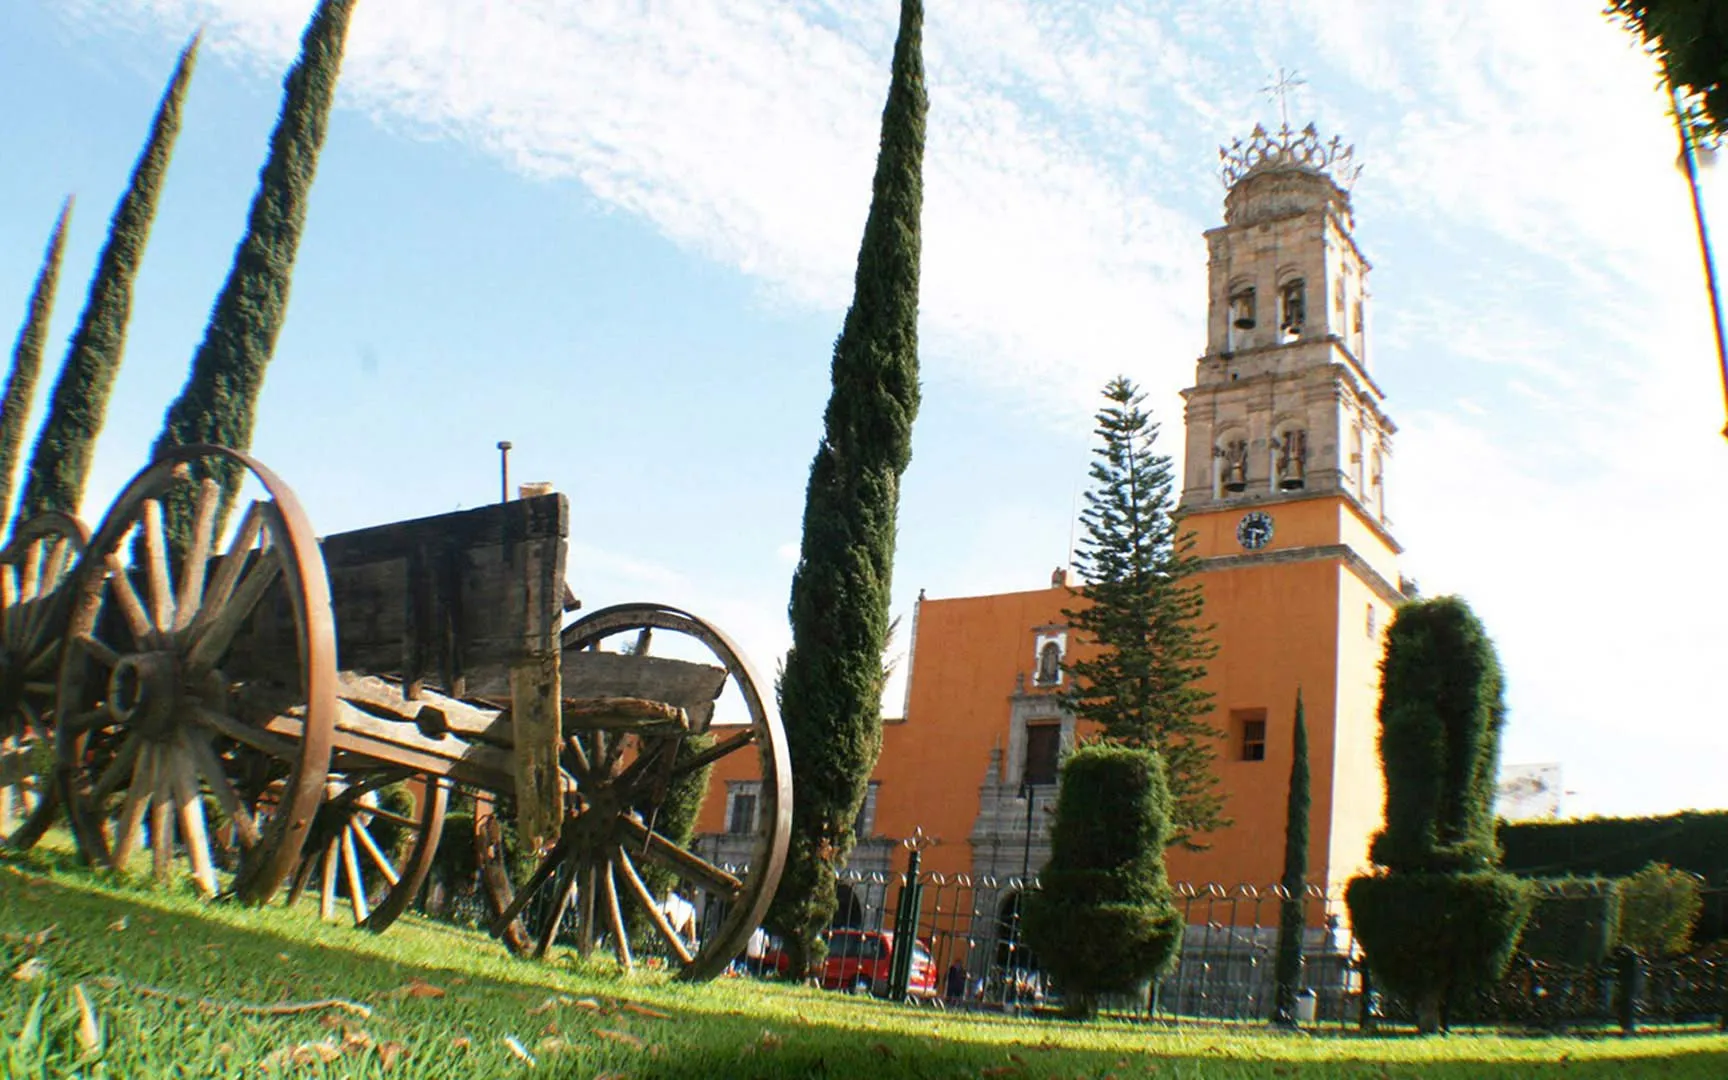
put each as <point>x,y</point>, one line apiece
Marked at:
<point>1240,317</point>
<point>1292,459</point>
<point>1049,671</point>
<point>1232,454</point>
<point>1377,485</point>
<point>1293,307</point>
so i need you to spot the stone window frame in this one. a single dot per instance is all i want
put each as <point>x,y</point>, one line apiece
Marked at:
<point>1222,438</point>
<point>737,790</point>
<point>1045,638</point>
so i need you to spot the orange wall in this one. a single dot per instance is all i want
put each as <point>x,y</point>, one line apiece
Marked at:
<point>1278,626</point>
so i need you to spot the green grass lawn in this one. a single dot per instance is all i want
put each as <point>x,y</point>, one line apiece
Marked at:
<point>434,1001</point>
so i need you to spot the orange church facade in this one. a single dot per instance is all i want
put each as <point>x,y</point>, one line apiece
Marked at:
<point>1283,490</point>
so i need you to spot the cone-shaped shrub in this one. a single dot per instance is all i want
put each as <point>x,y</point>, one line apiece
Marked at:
<point>1104,921</point>
<point>831,688</point>
<point>60,460</point>
<point>220,398</point>
<point>1440,919</point>
<point>1295,880</point>
<point>27,359</point>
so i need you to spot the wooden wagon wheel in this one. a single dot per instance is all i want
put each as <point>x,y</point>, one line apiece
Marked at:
<point>215,675</point>
<point>366,857</point>
<point>33,567</point>
<point>621,767</point>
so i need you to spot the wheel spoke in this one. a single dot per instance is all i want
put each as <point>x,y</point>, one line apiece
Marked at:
<point>533,885</point>
<point>103,655</point>
<point>689,866</point>
<point>615,912</point>
<point>204,757</point>
<point>156,566</point>
<point>124,765</point>
<point>30,575</point>
<point>356,884</point>
<point>646,899</point>
<point>704,758</point>
<point>192,571</point>
<point>127,597</point>
<point>137,801</point>
<point>549,933</point>
<point>162,820</point>
<point>240,731</point>
<point>327,898</point>
<point>233,561</point>
<point>192,825</point>
<point>382,861</point>
<point>213,636</point>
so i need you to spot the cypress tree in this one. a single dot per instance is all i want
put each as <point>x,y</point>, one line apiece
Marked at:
<point>831,688</point>
<point>27,358</point>
<point>1105,920</point>
<point>60,460</point>
<point>1295,880</point>
<point>220,398</point>
<point>1143,613</point>
<point>1439,918</point>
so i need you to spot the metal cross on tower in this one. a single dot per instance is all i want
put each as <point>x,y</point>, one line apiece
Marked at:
<point>1281,88</point>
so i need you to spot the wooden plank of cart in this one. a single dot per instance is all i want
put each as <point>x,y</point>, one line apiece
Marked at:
<point>326,699</point>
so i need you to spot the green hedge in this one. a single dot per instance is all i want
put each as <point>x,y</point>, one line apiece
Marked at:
<point>1575,921</point>
<point>1694,841</point>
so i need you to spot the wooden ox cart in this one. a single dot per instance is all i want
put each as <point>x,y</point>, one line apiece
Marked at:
<point>241,702</point>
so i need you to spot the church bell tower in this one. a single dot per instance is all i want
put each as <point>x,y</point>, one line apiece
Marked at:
<point>1284,407</point>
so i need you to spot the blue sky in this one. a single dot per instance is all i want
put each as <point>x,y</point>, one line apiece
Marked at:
<point>621,235</point>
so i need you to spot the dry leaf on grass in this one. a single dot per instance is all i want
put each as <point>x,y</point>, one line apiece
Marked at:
<point>643,1010</point>
<point>118,924</point>
<point>318,1053</point>
<point>519,1050</point>
<point>416,988</point>
<point>590,1004</point>
<point>553,1045</point>
<point>624,1037</point>
<point>544,1007</point>
<point>89,1031</point>
<point>461,1042</point>
<point>999,1070</point>
<point>770,1041</point>
<point>389,1053</point>
<point>30,970</point>
<point>33,940</point>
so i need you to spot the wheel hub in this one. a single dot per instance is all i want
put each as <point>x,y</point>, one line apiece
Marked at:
<point>144,692</point>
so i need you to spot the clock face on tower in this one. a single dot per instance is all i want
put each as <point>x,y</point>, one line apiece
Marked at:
<point>1254,531</point>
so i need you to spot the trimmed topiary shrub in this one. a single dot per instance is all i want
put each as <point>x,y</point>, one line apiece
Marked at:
<point>1104,922</point>
<point>1439,920</point>
<point>1659,906</point>
<point>1431,938</point>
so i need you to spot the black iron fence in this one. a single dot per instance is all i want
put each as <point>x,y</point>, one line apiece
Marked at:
<point>967,930</point>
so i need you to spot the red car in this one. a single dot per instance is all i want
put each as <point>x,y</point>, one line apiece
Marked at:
<point>859,960</point>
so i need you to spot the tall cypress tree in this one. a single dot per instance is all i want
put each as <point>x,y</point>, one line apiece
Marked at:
<point>831,689</point>
<point>27,358</point>
<point>1142,611</point>
<point>60,460</point>
<point>1295,881</point>
<point>220,398</point>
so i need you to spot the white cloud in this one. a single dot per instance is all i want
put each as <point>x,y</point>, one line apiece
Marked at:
<point>1520,202</point>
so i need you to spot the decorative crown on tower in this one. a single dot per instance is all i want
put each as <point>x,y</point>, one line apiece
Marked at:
<point>1289,150</point>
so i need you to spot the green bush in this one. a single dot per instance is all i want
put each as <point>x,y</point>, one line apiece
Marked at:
<point>1431,938</point>
<point>1659,906</point>
<point>1575,921</point>
<point>1104,922</point>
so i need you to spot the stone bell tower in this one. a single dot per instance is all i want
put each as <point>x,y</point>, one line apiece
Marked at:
<point>1284,406</point>
<point>1284,494</point>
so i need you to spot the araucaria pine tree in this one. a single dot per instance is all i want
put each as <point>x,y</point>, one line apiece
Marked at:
<point>27,358</point>
<point>60,460</point>
<point>1143,611</point>
<point>220,398</point>
<point>1291,910</point>
<point>831,688</point>
<point>1438,918</point>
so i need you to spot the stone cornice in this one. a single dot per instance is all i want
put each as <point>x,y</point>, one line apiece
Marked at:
<point>1342,552</point>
